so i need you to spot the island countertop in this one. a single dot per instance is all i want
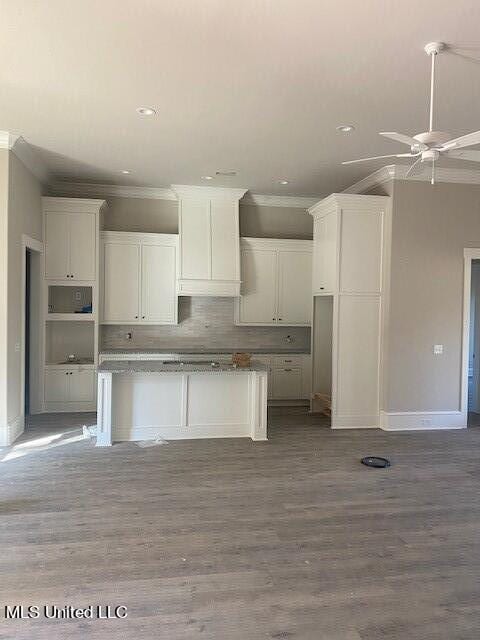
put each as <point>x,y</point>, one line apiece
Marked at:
<point>204,351</point>
<point>175,366</point>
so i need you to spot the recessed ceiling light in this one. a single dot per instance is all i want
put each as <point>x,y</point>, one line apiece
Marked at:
<point>346,128</point>
<point>207,177</point>
<point>125,171</point>
<point>283,182</point>
<point>146,111</point>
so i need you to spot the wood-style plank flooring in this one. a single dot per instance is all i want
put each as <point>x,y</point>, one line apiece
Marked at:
<point>290,539</point>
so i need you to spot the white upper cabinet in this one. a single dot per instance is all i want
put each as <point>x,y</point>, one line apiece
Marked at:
<point>70,232</point>
<point>209,241</point>
<point>121,281</point>
<point>294,287</point>
<point>82,246</point>
<point>258,304</point>
<point>139,278</point>
<point>195,239</point>
<point>57,246</point>
<point>361,256</point>
<point>348,244</point>
<point>159,283</point>
<point>276,282</point>
<point>325,253</point>
<point>225,233</point>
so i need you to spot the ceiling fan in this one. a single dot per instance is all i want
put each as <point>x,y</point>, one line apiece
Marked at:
<point>431,145</point>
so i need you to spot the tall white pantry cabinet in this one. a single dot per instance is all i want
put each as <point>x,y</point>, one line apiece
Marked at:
<point>70,302</point>
<point>348,256</point>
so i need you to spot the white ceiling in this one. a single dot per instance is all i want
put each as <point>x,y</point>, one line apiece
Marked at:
<point>253,85</point>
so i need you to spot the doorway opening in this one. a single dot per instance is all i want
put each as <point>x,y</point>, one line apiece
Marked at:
<point>31,344</point>
<point>26,401</point>
<point>473,402</point>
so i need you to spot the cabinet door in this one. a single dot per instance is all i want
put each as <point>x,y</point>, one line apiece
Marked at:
<point>121,282</point>
<point>294,287</point>
<point>195,239</point>
<point>158,284</point>
<point>81,386</point>
<point>57,250</point>
<point>56,385</point>
<point>224,240</point>
<point>82,246</point>
<point>325,248</point>
<point>287,384</point>
<point>361,256</point>
<point>258,299</point>
<point>358,356</point>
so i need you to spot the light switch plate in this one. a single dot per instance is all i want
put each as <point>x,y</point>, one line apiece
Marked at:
<point>437,349</point>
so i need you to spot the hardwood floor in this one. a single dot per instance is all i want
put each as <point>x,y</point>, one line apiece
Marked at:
<point>233,540</point>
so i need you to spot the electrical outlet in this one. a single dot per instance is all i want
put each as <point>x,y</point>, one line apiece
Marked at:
<point>437,349</point>
<point>426,422</point>
<point>78,295</point>
<point>129,335</point>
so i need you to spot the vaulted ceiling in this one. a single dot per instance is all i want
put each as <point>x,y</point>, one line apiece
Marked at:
<point>256,86</point>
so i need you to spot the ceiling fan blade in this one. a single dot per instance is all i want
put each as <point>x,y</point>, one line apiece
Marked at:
<point>415,168</point>
<point>401,137</point>
<point>395,155</point>
<point>467,154</point>
<point>463,141</point>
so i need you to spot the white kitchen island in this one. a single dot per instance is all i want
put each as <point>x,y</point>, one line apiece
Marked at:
<point>174,400</point>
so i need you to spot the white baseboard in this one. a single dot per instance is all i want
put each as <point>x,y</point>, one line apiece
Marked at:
<point>422,420</point>
<point>288,403</point>
<point>176,432</point>
<point>12,431</point>
<point>69,407</point>
<point>355,422</point>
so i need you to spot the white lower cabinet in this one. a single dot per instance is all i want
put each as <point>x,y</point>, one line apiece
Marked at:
<point>69,388</point>
<point>289,376</point>
<point>287,383</point>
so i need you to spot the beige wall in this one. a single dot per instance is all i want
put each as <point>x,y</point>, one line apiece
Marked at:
<point>431,225</point>
<point>141,215</point>
<point>161,216</point>
<point>24,217</point>
<point>3,290</point>
<point>275,222</point>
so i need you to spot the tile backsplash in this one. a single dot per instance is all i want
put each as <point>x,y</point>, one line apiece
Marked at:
<point>204,323</point>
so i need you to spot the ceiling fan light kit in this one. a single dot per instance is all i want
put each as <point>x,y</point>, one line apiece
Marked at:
<point>430,145</point>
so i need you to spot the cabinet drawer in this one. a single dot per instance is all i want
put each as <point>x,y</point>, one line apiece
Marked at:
<point>287,361</point>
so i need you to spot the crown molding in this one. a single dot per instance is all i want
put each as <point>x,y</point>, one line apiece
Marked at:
<point>293,202</point>
<point>7,139</point>
<point>375,179</point>
<point>193,191</point>
<point>357,200</point>
<point>31,159</point>
<point>91,189</point>
<point>399,171</point>
<point>24,152</point>
<point>87,189</point>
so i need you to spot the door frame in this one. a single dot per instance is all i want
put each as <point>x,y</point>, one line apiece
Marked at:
<point>468,255</point>
<point>35,246</point>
